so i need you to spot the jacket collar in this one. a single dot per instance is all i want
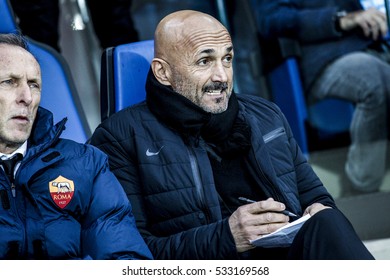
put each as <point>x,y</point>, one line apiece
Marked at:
<point>44,133</point>
<point>182,115</point>
<point>224,132</point>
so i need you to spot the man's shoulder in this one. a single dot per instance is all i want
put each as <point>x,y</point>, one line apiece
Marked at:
<point>71,148</point>
<point>134,112</point>
<point>125,123</point>
<point>127,117</point>
<point>254,102</point>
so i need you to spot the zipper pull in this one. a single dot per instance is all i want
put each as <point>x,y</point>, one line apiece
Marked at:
<point>13,190</point>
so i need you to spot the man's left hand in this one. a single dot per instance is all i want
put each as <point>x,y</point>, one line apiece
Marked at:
<point>314,208</point>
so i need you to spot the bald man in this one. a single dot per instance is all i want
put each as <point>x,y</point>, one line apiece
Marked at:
<point>189,152</point>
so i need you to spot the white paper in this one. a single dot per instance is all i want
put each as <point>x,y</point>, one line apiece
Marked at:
<point>282,237</point>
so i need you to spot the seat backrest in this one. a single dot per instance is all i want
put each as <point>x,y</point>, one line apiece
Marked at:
<point>328,117</point>
<point>123,75</point>
<point>59,94</point>
<point>286,89</point>
<point>7,18</point>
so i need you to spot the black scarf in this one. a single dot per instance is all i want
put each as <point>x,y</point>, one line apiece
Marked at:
<point>226,133</point>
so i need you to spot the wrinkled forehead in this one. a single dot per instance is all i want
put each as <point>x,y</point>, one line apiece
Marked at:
<point>200,39</point>
<point>7,51</point>
<point>16,57</point>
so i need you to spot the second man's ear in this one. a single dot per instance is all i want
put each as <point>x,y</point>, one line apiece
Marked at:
<point>161,71</point>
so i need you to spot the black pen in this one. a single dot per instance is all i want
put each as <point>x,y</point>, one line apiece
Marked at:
<point>285,212</point>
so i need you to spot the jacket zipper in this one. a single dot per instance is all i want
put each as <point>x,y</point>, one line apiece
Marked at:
<point>198,184</point>
<point>61,126</point>
<point>273,189</point>
<point>13,190</point>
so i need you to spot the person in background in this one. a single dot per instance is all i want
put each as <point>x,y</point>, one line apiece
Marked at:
<point>343,55</point>
<point>187,155</point>
<point>58,198</point>
<point>112,21</point>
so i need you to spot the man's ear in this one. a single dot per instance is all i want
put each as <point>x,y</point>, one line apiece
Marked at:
<point>161,71</point>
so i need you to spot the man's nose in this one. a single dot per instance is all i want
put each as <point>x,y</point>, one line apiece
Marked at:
<point>24,94</point>
<point>219,73</point>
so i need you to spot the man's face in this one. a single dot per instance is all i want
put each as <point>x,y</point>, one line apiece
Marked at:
<point>20,94</point>
<point>203,70</point>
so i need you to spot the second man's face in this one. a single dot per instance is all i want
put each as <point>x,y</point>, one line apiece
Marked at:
<point>20,94</point>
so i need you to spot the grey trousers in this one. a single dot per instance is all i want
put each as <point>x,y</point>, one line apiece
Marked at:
<point>364,79</point>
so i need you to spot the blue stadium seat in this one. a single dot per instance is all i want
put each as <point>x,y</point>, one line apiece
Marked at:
<point>123,75</point>
<point>326,118</point>
<point>59,94</point>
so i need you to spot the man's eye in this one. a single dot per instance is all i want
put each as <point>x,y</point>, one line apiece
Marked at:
<point>202,62</point>
<point>228,58</point>
<point>34,85</point>
<point>7,82</point>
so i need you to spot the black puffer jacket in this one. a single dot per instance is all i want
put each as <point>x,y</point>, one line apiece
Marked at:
<point>171,186</point>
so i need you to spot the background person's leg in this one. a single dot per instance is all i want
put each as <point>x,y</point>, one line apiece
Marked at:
<point>364,80</point>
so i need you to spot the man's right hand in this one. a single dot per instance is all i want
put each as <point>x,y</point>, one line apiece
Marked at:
<point>251,221</point>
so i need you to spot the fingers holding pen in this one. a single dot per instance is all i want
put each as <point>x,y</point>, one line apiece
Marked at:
<point>253,220</point>
<point>269,205</point>
<point>266,213</point>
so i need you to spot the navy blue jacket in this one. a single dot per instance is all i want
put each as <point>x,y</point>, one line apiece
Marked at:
<point>311,22</point>
<point>171,185</point>
<point>68,205</point>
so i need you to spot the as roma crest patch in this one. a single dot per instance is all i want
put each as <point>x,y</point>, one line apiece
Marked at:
<point>61,191</point>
